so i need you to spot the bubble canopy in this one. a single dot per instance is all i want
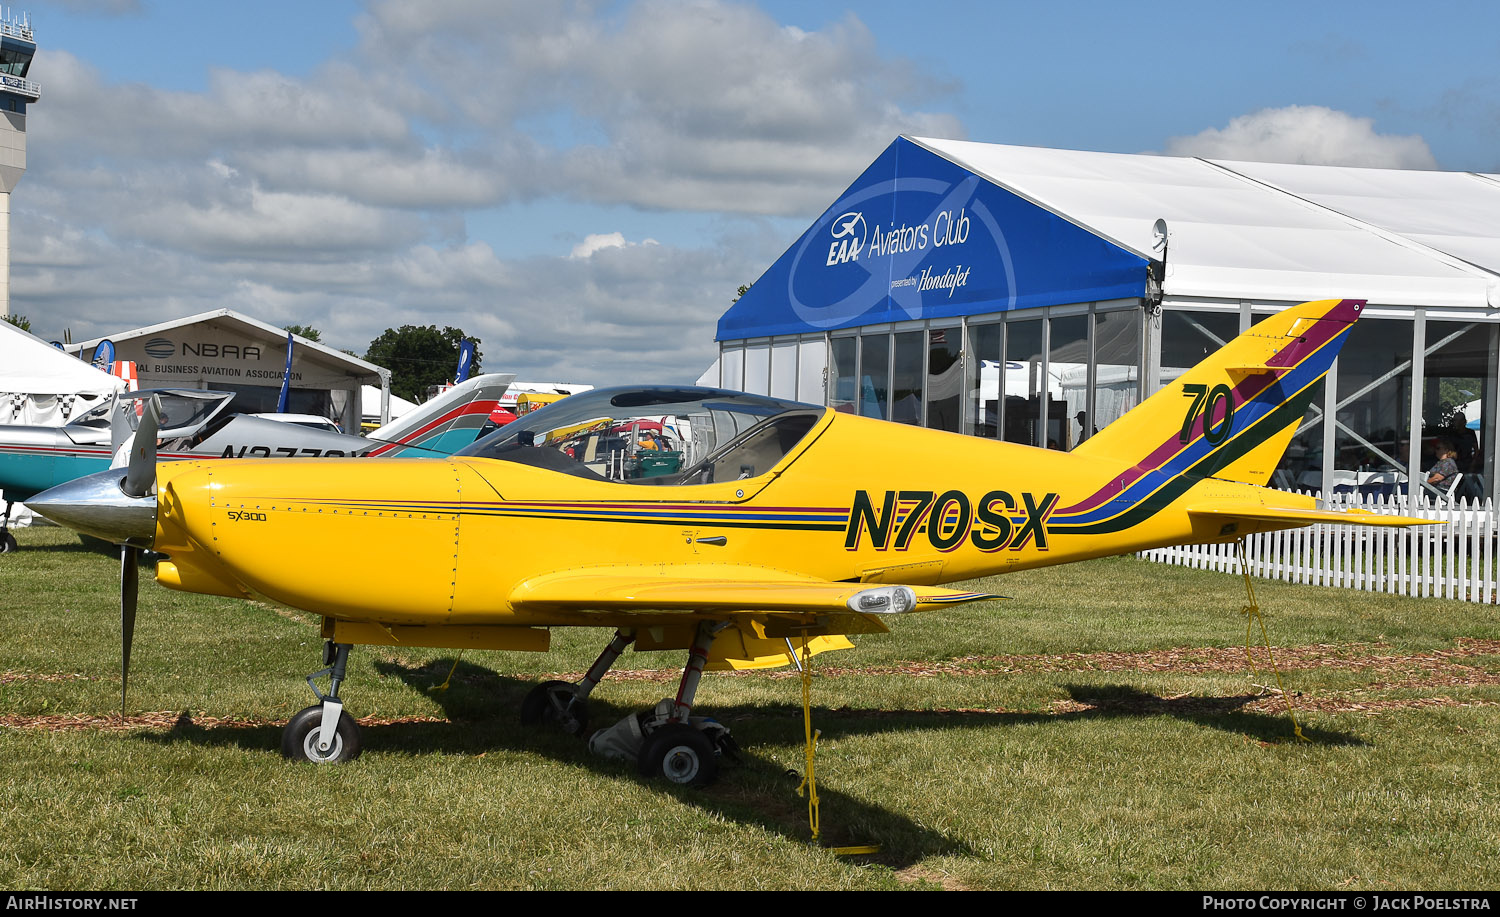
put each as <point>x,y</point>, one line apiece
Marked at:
<point>654,435</point>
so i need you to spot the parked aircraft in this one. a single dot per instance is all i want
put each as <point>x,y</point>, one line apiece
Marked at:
<point>197,424</point>
<point>783,523</point>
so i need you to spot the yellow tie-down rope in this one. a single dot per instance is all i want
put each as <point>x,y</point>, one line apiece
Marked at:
<point>447,681</point>
<point>810,781</point>
<point>1252,615</point>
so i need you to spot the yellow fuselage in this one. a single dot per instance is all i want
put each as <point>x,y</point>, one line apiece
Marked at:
<point>452,541</point>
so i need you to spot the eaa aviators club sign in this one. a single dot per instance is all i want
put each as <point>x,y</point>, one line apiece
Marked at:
<point>918,236</point>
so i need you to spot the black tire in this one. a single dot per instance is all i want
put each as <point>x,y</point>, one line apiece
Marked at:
<point>680,754</point>
<point>8,544</point>
<point>299,739</point>
<point>556,703</point>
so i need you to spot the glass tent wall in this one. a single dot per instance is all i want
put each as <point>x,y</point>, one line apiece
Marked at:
<point>1406,383</point>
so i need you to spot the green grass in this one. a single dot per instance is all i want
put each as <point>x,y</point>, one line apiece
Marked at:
<point>1003,745</point>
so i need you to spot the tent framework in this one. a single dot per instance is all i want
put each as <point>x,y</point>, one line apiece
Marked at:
<point>1196,251</point>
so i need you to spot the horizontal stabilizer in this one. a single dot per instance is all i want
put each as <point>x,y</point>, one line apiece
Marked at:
<point>1257,512</point>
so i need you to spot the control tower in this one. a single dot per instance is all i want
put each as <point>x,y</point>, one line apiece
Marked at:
<point>17,48</point>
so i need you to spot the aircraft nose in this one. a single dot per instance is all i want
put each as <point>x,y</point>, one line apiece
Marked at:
<point>96,505</point>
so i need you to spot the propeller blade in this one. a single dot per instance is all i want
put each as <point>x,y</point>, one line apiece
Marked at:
<point>140,474</point>
<point>130,580</point>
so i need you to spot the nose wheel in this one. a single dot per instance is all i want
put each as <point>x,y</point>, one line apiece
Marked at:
<point>300,741</point>
<point>324,733</point>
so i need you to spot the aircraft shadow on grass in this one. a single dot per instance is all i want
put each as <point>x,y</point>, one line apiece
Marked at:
<point>483,691</point>
<point>480,706</point>
<point>1224,713</point>
<point>1118,702</point>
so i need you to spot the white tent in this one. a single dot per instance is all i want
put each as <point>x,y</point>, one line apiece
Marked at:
<point>369,404</point>
<point>1270,232</point>
<point>42,386</point>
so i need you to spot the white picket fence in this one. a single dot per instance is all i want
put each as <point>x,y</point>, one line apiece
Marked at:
<point>1455,560</point>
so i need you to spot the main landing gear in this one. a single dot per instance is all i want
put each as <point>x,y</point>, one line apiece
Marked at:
<point>324,733</point>
<point>564,704</point>
<point>665,741</point>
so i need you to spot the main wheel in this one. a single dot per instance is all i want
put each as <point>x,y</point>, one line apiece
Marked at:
<point>681,754</point>
<point>8,544</point>
<point>556,703</point>
<point>299,741</point>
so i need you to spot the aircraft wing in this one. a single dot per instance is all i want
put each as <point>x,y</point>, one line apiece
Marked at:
<point>722,589</point>
<point>1257,512</point>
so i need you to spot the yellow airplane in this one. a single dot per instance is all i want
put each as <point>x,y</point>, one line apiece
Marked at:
<point>785,523</point>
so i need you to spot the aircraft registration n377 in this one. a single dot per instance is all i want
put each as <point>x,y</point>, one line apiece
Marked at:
<point>774,522</point>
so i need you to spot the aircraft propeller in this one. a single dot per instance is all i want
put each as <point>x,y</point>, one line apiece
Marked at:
<point>140,478</point>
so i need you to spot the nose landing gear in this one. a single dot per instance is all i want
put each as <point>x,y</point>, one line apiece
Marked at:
<point>324,733</point>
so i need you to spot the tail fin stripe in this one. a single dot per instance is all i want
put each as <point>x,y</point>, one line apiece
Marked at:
<point>1267,398</point>
<point>1251,407</point>
<point>416,436</point>
<point>1159,490</point>
<point>1325,328</point>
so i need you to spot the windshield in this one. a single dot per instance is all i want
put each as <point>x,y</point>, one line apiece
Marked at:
<point>659,435</point>
<point>179,409</point>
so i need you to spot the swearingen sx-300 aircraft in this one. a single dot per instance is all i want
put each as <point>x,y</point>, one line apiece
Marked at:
<point>775,522</point>
<point>196,424</point>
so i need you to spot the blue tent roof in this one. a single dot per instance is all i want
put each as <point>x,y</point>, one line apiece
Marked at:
<point>918,236</point>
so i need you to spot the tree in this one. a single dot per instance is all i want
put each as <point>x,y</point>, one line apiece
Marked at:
<point>419,356</point>
<point>305,331</point>
<point>20,321</point>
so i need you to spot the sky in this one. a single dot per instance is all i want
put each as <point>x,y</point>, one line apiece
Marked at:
<point>583,186</point>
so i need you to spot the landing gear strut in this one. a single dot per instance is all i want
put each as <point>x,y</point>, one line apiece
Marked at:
<point>7,540</point>
<point>666,741</point>
<point>680,747</point>
<point>564,704</point>
<point>324,733</point>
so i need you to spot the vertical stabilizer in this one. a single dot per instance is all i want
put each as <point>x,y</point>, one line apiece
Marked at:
<point>446,423</point>
<point>1233,415</point>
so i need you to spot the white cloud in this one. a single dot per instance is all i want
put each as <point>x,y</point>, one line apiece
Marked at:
<point>86,116</point>
<point>342,199</point>
<point>383,177</point>
<point>1307,134</point>
<point>693,106</point>
<point>596,242</point>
